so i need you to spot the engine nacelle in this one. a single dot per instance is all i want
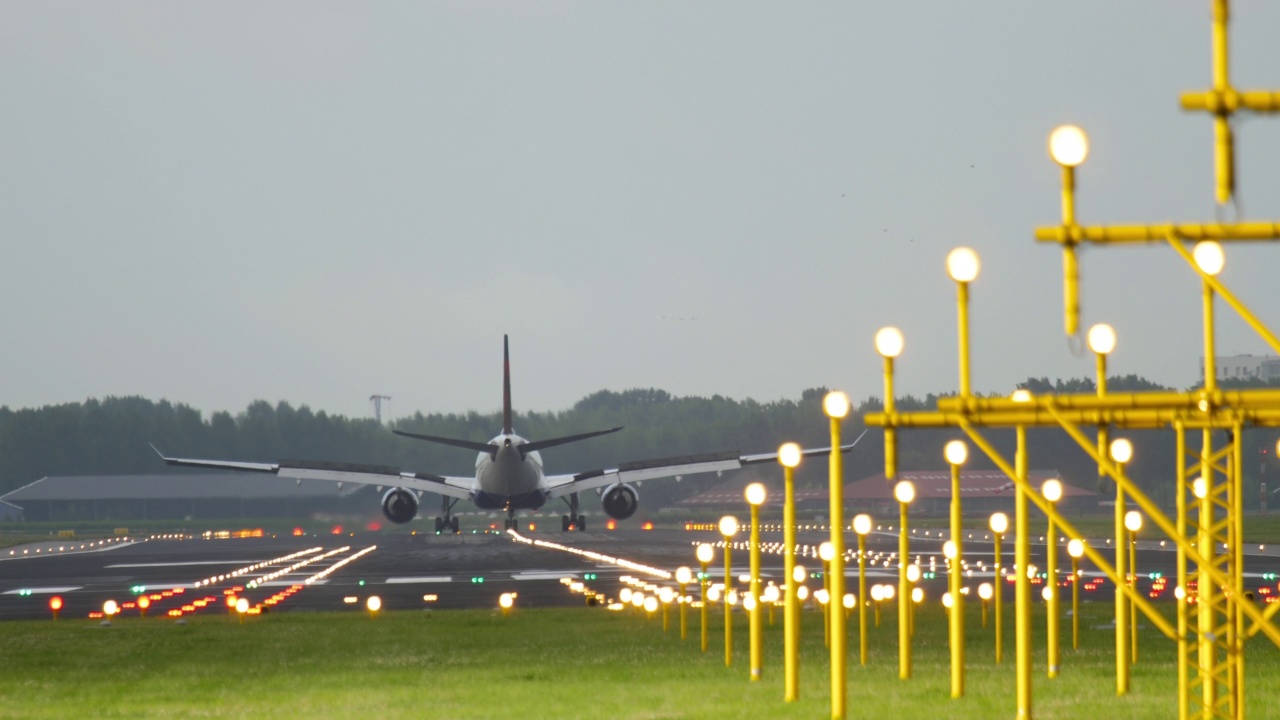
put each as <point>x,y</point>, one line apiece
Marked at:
<point>399,505</point>
<point>620,501</point>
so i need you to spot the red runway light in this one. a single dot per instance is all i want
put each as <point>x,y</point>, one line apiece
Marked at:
<point>611,525</point>
<point>55,603</point>
<point>337,530</point>
<point>298,532</point>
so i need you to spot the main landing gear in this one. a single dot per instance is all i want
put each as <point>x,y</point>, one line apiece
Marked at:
<point>448,522</point>
<point>574,520</point>
<point>511,522</point>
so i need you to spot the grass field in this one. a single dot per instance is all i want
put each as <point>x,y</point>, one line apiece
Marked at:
<point>550,663</point>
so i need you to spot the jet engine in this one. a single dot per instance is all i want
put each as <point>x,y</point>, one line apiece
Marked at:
<point>399,505</point>
<point>620,501</point>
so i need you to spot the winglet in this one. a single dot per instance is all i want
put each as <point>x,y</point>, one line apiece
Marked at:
<point>506,388</point>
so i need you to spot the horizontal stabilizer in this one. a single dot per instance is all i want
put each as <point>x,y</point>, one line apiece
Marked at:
<point>552,442</point>
<point>467,444</point>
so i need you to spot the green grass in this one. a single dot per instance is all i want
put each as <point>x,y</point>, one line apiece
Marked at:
<point>551,663</point>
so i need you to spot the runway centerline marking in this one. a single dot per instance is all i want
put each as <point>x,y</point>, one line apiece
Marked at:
<point>42,591</point>
<point>428,579</point>
<point>182,564</point>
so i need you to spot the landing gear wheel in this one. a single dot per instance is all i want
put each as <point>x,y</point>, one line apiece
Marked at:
<point>439,525</point>
<point>453,524</point>
<point>582,524</point>
<point>564,523</point>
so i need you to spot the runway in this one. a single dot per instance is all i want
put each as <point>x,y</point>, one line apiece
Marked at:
<point>185,576</point>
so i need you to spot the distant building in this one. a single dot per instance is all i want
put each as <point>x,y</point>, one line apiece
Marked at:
<point>1238,367</point>
<point>181,496</point>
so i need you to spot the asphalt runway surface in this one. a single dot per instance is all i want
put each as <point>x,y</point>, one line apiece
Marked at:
<point>186,576</point>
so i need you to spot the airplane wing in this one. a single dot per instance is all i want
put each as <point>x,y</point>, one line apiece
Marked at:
<point>560,485</point>
<point>379,475</point>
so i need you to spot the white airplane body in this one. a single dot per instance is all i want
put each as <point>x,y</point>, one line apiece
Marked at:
<point>508,475</point>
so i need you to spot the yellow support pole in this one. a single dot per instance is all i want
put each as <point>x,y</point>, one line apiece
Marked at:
<point>836,592</point>
<point>862,598</point>
<point>1022,561</point>
<point>757,632</point>
<point>962,303</point>
<point>826,609</point>
<point>1122,610</point>
<point>728,609</point>
<point>1075,603</point>
<point>684,614</point>
<point>890,434</point>
<point>956,629</point>
<point>1181,595</point>
<point>999,593</point>
<point>1051,606</point>
<point>1133,609</point>
<point>904,597</point>
<point>705,614</point>
<point>1205,592</point>
<point>1237,632</point>
<point>791,617</point>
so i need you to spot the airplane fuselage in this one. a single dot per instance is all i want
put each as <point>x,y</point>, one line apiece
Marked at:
<point>509,479</point>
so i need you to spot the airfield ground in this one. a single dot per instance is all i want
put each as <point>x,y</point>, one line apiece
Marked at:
<point>547,663</point>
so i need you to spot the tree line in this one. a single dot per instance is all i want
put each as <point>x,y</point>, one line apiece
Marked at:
<point>110,436</point>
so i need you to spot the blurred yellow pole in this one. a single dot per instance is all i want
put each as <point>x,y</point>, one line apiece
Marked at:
<point>757,640</point>
<point>999,593</point>
<point>791,615</point>
<point>1051,581</point>
<point>862,598</point>
<point>1075,603</point>
<point>1022,561</point>
<point>838,636</point>
<point>684,615</point>
<point>728,608</point>
<point>904,597</point>
<point>956,616</point>
<point>705,610</point>
<point>1133,609</point>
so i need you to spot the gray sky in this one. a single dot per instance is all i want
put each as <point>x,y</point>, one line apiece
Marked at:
<point>313,202</point>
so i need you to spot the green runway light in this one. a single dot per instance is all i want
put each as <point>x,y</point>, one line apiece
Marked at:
<point>24,592</point>
<point>138,589</point>
<point>361,583</point>
<point>477,579</point>
<point>590,576</point>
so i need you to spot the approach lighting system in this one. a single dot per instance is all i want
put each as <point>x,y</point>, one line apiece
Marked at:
<point>963,265</point>
<point>706,553</point>
<point>789,455</point>
<point>956,452</point>
<point>1209,257</point>
<point>684,575</point>
<point>1068,145</point>
<point>862,523</point>
<point>1121,450</point>
<point>826,551</point>
<point>1075,549</point>
<point>1133,521</point>
<point>728,526</point>
<point>1102,339</point>
<point>904,492</point>
<point>374,603</point>
<point>999,523</point>
<point>889,342</point>
<point>1051,490</point>
<point>755,494</point>
<point>835,405</point>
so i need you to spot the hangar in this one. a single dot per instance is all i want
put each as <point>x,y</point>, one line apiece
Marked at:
<point>181,496</point>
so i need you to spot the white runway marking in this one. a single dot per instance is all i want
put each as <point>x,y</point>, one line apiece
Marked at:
<point>287,583</point>
<point>429,579</point>
<point>545,575</point>
<point>184,564</point>
<point>42,591</point>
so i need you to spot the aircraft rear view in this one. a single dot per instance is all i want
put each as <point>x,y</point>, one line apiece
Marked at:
<point>508,474</point>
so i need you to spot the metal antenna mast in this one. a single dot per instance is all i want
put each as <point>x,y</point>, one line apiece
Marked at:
<point>377,406</point>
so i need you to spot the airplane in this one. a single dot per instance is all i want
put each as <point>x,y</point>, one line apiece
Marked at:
<point>508,474</point>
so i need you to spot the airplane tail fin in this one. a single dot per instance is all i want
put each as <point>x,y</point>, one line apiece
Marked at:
<point>506,388</point>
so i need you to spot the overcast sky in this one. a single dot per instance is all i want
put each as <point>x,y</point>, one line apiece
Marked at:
<point>314,202</point>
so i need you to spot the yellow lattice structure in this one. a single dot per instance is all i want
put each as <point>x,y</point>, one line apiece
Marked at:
<point>1214,619</point>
